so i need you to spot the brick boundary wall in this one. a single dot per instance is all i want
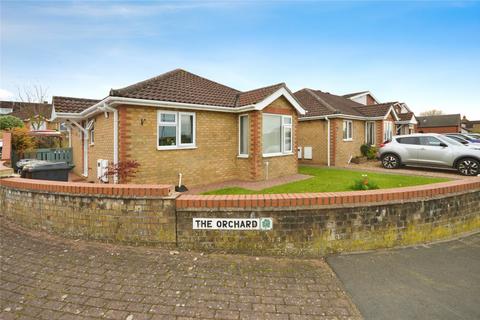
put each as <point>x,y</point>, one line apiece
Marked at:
<point>303,224</point>
<point>81,188</point>
<point>135,214</point>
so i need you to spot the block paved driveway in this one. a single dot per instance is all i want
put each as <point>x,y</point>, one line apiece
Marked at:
<point>45,277</point>
<point>439,281</point>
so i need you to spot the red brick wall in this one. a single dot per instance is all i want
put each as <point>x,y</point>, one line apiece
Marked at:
<point>453,129</point>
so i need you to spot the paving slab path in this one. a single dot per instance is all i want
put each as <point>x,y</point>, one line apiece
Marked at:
<point>438,281</point>
<point>46,277</point>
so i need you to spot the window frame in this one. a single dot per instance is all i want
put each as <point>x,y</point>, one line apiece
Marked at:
<point>240,154</point>
<point>345,126</point>
<point>283,125</point>
<point>178,129</point>
<point>91,134</point>
<point>374,138</point>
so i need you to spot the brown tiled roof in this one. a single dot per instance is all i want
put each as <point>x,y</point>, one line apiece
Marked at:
<point>405,116</point>
<point>444,120</point>
<point>72,105</point>
<point>180,86</point>
<point>318,103</point>
<point>185,87</point>
<point>24,110</point>
<point>353,94</point>
<point>257,95</point>
<point>376,110</point>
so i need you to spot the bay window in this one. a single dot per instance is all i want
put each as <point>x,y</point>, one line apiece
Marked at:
<point>175,130</point>
<point>387,130</point>
<point>277,134</point>
<point>243,130</point>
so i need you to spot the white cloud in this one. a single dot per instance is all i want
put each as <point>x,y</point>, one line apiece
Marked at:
<point>5,94</point>
<point>128,10</point>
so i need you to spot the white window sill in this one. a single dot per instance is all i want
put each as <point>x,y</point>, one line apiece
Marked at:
<point>271,155</point>
<point>243,156</point>
<point>348,140</point>
<point>176,148</point>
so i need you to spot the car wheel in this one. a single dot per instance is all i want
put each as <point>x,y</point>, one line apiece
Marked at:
<point>468,167</point>
<point>390,161</point>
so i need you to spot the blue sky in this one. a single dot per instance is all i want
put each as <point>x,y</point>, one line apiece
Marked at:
<point>426,54</point>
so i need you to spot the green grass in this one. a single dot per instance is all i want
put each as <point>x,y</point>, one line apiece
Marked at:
<point>333,180</point>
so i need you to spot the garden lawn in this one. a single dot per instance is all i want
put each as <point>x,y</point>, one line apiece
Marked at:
<point>333,180</point>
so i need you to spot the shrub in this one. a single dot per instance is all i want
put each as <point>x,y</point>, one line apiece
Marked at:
<point>22,141</point>
<point>364,149</point>
<point>364,184</point>
<point>372,153</point>
<point>123,170</point>
<point>9,122</point>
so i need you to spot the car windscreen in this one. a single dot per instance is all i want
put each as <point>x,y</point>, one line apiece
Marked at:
<point>449,140</point>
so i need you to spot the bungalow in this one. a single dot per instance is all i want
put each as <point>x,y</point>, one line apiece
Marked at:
<point>180,123</point>
<point>407,121</point>
<point>445,123</point>
<point>40,112</point>
<point>334,127</point>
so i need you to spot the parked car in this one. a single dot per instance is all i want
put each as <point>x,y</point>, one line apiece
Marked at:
<point>474,135</point>
<point>463,136</point>
<point>430,150</point>
<point>467,143</point>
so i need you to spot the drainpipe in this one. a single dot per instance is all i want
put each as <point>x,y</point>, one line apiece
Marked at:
<point>85,146</point>
<point>328,141</point>
<point>107,108</point>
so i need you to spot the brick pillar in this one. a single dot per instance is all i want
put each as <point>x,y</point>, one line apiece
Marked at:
<point>256,146</point>
<point>124,136</point>
<point>379,133</point>
<point>333,141</point>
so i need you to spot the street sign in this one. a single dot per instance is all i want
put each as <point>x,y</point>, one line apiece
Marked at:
<point>232,224</point>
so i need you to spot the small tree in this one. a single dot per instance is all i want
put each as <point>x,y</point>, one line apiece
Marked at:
<point>37,95</point>
<point>22,141</point>
<point>9,122</point>
<point>123,170</point>
<point>432,112</point>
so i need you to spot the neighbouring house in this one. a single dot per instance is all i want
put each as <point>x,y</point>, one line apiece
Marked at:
<point>362,97</point>
<point>36,116</point>
<point>407,121</point>
<point>181,123</point>
<point>334,127</point>
<point>470,125</point>
<point>445,123</point>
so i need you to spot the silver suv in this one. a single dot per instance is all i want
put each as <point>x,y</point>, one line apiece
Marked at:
<point>430,150</point>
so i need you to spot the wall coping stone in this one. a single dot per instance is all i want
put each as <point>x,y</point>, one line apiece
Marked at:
<point>91,189</point>
<point>347,198</point>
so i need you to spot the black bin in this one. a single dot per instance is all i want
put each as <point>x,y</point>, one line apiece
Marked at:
<point>56,171</point>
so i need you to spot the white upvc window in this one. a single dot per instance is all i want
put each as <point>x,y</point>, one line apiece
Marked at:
<point>370,133</point>
<point>387,130</point>
<point>277,134</point>
<point>92,134</point>
<point>176,130</point>
<point>243,135</point>
<point>347,130</point>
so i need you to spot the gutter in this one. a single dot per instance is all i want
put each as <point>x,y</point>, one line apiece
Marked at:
<point>328,141</point>
<point>113,101</point>
<point>342,116</point>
